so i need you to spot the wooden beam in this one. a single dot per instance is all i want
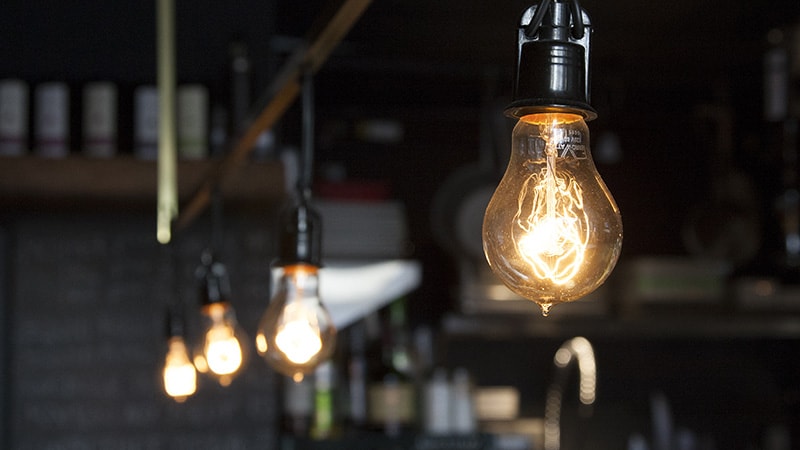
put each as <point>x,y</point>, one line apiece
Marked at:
<point>322,39</point>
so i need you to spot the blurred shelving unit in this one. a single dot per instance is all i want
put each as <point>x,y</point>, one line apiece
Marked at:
<point>674,325</point>
<point>123,182</point>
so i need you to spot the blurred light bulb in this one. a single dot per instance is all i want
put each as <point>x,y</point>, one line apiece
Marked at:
<point>180,378</point>
<point>552,231</point>
<point>221,353</point>
<point>296,333</point>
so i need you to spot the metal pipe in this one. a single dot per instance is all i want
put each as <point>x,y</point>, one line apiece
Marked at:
<point>167,153</point>
<point>576,350</point>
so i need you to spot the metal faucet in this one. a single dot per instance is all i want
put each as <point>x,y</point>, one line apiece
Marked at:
<point>580,350</point>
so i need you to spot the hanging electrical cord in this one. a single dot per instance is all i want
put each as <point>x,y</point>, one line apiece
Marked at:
<point>306,177</point>
<point>578,28</point>
<point>296,333</point>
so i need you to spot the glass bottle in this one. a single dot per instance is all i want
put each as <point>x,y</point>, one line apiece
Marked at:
<point>392,392</point>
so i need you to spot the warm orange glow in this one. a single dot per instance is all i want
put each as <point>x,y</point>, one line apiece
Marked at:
<point>552,227</point>
<point>296,332</point>
<point>222,349</point>
<point>180,378</point>
<point>551,119</point>
<point>552,232</point>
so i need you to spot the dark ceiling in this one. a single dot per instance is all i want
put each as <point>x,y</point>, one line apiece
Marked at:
<point>649,44</point>
<point>435,65</point>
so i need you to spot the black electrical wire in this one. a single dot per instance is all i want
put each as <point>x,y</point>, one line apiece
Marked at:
<point>578,28</point>
<point>307,154</point>
<point>536,21</point>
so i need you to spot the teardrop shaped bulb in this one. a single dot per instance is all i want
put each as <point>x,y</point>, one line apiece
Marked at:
<point>180,378</point>
<point>296,333</point>
<point>222,352</point>
<point>552,231</point>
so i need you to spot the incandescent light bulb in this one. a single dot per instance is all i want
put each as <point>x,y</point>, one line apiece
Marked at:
<point>221,351</point>
<point>180,378</point>
<point>296,332</point>
<point>221,354</point>
<point>552,231</point>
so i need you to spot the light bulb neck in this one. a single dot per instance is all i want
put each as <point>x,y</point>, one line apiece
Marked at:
<point>300,237</point>
<point>174,324</point>
<point>301,284</point>
<point>301,269</point>
<point>552,70</point>
<point>518,110</point>
<point>217,311</point>
<point>214,282</point>
<point>177,344</point>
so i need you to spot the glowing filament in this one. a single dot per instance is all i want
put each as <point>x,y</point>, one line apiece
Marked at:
<point>552,226</point>
<point>298,335</point>
<point>223,351</point>
<point>180,378</point>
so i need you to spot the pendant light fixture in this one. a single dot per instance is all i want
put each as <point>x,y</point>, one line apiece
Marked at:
<point>552,232</point>
<point>221,352</point>
<point>296,333</point>
<point>179,375</point>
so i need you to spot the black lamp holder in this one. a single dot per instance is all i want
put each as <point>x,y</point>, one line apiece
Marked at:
<point>214,282</point>
<point>174,325</point>
<point>552,69</point>
<point>300,235</point>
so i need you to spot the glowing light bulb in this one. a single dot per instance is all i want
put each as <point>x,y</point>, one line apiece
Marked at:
<point>221,353</point>
<point>180,378</point>
<point>296,333</point>
<point>552,231</point>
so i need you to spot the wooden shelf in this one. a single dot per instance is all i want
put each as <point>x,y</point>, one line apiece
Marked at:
<point>27,182</point>
<point>673,325</point>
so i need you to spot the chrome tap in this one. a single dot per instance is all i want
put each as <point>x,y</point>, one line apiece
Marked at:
<point>577,349</point>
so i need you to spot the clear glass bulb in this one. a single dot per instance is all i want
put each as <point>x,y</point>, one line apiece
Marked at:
<point>180,378</point>
<point>552,231</point>
<point>296,333</point>
<point>221,353</point>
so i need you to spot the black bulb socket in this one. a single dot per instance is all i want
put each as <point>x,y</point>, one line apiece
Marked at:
<point>552,64</point>
<point>214,283</point>
<point>300,237</point>
<point>173,323</point>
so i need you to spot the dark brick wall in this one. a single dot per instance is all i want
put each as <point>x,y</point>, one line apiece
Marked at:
<point>85,339</point>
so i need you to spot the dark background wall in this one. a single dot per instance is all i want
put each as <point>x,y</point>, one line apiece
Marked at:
<point>85,314</point>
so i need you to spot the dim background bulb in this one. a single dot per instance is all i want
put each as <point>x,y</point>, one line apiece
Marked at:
<point>222,353</point>
<point>296,333</point>
<point>180,377</point>
<point>552,231</point>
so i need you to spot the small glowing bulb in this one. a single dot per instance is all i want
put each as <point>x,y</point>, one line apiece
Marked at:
<point>222,352</point>
<point>180,378</point>
<point>552,231</point>
<point>299,336</point>
<point>296,333</point>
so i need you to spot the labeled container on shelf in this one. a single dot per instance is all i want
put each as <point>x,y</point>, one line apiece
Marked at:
<point>145,122</point>
<point>51,120</point>
<point>99,121</point>
<point>13,117</point>
<point>192,121</point>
